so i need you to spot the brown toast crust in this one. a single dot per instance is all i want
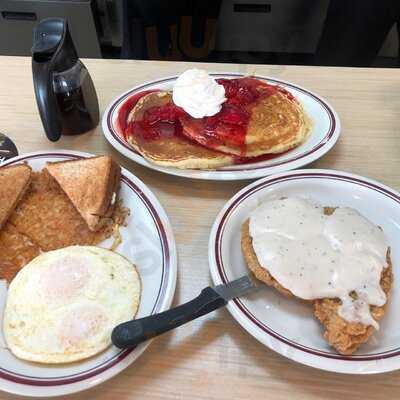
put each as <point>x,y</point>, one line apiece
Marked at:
<point>14,181</point>
<point>92,185</point>
<point>344,336</point>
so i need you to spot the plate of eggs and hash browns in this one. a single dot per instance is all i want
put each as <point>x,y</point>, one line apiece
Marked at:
<point>84,246</point>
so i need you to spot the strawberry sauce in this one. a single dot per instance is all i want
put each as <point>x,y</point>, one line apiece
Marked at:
<point>251,160</point>
<point>158,122</point>
<point>227,127</point>
<point>127,106</point>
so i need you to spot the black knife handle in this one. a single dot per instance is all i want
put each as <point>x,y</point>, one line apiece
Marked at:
<point>133,332</point>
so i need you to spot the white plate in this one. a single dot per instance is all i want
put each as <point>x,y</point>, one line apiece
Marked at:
<point>148,242</point>
<point>286,325</point>
<point>324,134</point>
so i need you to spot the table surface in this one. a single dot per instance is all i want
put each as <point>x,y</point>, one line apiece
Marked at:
<point>213,357</point>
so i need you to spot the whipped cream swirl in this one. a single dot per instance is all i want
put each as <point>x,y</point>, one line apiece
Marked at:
<point>198,93</point>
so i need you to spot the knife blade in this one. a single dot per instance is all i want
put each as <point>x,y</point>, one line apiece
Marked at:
<point>132,333</point>
<point>238,287</point>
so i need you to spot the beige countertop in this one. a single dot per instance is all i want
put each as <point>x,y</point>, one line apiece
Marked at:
<point>213,357</point>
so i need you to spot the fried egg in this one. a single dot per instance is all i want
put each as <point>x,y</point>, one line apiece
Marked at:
<point>64,304</point>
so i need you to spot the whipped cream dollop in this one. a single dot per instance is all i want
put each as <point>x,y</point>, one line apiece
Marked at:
<point>315,255</point>
<point>198,93</point>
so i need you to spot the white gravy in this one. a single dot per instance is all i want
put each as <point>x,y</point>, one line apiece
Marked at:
<point>317,256</point>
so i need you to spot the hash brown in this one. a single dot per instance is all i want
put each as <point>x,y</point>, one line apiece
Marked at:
<point>16,251</point>
<point>49,219</point>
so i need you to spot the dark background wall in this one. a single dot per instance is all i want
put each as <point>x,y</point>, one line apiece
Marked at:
<point>327,32</point>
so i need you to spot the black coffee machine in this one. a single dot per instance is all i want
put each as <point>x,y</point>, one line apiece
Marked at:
<point>64,90</point>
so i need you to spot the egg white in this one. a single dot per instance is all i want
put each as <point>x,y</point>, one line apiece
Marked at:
<point>63,305</point>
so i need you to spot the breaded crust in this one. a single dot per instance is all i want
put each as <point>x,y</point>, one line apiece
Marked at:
<point>259,272</point>
<point>345,337</point>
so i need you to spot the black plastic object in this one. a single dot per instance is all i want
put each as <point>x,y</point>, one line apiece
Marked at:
<point>133,332</point>
<point>65,93</point>
<point>7,148</point>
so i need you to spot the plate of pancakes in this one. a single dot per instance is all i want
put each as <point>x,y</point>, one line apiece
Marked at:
<point>84,246</point>
<point>265,126</point>
<point>326,258</point>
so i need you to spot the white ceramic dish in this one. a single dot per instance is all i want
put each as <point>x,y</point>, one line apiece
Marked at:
<point>324,134</point>
<point>286,325</point>
<point>148,242</point>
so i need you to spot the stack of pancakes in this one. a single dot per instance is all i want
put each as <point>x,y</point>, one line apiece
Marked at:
<point>275,123</point>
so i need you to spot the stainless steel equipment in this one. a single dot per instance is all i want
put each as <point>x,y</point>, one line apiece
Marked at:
<point>18,18</point>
